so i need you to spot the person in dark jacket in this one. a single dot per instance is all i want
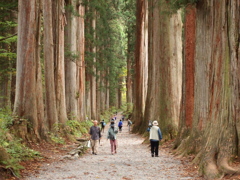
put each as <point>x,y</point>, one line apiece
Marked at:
<point>103,124</point>
<point>95,133</point>
<point>155,137</point>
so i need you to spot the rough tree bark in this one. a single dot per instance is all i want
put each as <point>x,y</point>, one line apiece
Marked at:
<point>139,66</point>
<point>187,101</point>
<point>81,62</point>
<point>129,75</point>
<point>28,99</point>
<point>70,62</point>
<point>216,87</point>
<point>87,71</point>
<point>59,21</point>
<point>50,100</point>
<point>165,68</point>
<point>93,85</point>
<point>119,93</point>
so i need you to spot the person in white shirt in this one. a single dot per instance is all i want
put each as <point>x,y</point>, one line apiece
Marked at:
<point>155,137</point>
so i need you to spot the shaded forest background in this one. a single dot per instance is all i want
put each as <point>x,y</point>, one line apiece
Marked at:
<point>66,62</point>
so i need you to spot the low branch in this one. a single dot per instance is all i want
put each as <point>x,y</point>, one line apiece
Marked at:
<point>8,37</point>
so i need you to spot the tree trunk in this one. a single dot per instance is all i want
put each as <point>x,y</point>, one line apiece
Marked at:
<point>119,93</point>
<point>145,56</point>
<point>93,85</point>
<point>81,63</point>
<point>129,75</point>
<point>107,91</point>
<point>165,68</point>
<point>187,101</point>
<point>28,99</point>
<point>215,124</point>
<point>87,71</point>
<point>220,135</point>
<point>70,63</point>
<point>139,63</point>
<point>59,21</point>
<point>50,100</point>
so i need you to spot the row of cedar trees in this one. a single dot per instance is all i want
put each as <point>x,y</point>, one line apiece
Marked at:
<point>186,74</point>
<point>72,88</point>
<point>192,72</point>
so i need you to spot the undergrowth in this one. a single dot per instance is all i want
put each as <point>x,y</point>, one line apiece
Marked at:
<point>14,149</point>
<point>106,115</point>
<point>127,110</point>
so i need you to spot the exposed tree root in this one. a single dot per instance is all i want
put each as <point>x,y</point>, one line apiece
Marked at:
<point>182,150</point>
<point>217,170</point>
<point>226,169</point>
<point>210,171</point>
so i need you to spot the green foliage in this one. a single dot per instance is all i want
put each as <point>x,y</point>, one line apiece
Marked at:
<point>70,55</point>
<point>125,110</point>
<point>8,13</point>
<point>77,128</point>
<point>107,114</point>
<point>70,8</point>
<point>56,138</point>
<point>178,4</point>
<point>14,165</point>
<point>109,38</point>
<point>6,120</point>
<point>13,146</point>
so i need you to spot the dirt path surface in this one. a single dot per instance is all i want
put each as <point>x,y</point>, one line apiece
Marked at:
<point>133,161</point>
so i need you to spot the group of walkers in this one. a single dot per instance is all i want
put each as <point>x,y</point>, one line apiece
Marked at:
<point>95,133</point>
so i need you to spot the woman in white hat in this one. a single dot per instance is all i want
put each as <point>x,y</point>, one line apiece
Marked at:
<point>155,137</point>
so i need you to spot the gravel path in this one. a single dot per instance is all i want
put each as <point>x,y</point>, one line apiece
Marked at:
<point>133,161</point>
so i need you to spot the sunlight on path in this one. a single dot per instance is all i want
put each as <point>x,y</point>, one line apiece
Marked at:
<point>133,161</point>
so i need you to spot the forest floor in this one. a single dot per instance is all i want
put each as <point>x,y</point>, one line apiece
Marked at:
<point>133,161</point>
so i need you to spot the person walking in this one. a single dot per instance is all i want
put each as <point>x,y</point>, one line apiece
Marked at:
<point>129,125</point>
<point>95,133</point>
<point>112,135</point>
<point>103,124</point>
<point>155,137</point>
<point>120,124</point>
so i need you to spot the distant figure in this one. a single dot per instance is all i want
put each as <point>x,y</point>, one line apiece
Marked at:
<point>129,125</point>
<point>103,124</point>
<point>112,135</point>
<point>120,124</point>
<point>95,133</point>
<point>155,137</point>
<point>123,118</point>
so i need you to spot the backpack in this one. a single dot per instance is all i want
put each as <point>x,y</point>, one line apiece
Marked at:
<point>120,124</point>
<point>104,124</point>
<point>111,136</point>
<point>112,133</point>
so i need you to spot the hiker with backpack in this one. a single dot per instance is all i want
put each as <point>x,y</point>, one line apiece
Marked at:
<point>120,124</point>
<point>155,137</point>
<point>103,124</point>
<point>112,135</point>
<point>95,134</point>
